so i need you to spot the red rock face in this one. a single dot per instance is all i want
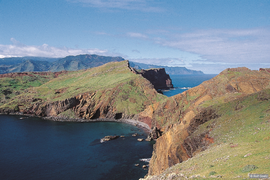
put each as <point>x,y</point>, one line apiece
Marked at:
<point>181,114</point>
<point>146,120</point>
<point>265,70</point>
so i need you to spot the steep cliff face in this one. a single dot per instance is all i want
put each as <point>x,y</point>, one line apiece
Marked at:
<point>179,115</point>
<point>158,78</point>
<point>223,141</point>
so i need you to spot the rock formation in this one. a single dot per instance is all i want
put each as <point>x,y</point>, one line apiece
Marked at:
<point>158,78</point>
<point>117,91</point>
<point>87,94</point>
<point>108,138</point>
<point>178,116</point>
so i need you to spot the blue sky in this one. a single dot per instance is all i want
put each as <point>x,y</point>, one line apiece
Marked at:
<point>207,35</point>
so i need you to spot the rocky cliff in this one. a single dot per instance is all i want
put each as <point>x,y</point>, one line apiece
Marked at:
<point>157,77</point>
<point>179,116</point>
<point>226,140</point>
<point>116,91</point>
<point>109,91</point>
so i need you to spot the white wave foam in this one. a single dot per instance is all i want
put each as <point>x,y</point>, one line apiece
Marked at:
<point>145,159</point>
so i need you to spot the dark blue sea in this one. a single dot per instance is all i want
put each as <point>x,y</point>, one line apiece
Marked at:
<point>182,83</point>
<point>34,148</point>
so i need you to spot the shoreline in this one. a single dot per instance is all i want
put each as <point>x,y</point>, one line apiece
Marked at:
<point>133,122</point>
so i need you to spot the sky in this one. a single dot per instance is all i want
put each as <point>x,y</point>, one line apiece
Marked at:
<point>206,35</point>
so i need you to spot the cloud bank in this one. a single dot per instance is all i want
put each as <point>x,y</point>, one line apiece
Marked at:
<point>217,49</point>
<point>18,49</point>
<point>228,46</point>
<point>141,5</point>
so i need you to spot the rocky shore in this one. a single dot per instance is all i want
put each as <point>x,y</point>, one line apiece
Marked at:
<point>133,122</point>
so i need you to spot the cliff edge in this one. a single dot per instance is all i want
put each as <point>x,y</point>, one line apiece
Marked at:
<point>158,77</point>
<point>110,91</point>
<point>179,116</point>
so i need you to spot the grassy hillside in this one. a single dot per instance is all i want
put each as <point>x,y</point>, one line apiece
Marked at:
<point>179,115</point>
<point>13,86</point>
<point>241,142</point>
<point>228,85</point>
<point>97,91</point>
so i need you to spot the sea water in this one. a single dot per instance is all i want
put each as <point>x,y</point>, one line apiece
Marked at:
<point>33,148</point>
<point>182,83</point>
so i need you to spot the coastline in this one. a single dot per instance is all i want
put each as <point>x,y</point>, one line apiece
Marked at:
<point>133,122</point>
<point>98,157</point>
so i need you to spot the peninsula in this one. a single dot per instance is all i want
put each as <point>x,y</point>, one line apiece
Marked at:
<point>217,129</point>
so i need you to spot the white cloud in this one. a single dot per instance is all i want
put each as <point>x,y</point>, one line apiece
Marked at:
<point>142,5</point>
<point>216,49</point>
<point>229,46</point>
<point>18,49</point>
<point>136,35</point>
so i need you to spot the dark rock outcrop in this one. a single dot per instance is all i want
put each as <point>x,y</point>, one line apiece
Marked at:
<point>158,77</point>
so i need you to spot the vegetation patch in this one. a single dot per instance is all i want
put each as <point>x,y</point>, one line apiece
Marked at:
<point>212,173</point>
<point>249,168</point>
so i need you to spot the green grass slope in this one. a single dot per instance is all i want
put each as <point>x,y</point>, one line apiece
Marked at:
<point>241,144</point>
<point>13,86</point>
<point>112,86</point>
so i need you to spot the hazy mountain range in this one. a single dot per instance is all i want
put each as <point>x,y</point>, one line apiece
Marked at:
<point>73,63</point>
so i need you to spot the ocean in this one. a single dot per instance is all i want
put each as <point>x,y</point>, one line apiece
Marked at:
<point>34,148</point>
<point>182,83</point>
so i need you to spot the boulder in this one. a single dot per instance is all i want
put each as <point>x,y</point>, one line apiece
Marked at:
<point>108,138</point>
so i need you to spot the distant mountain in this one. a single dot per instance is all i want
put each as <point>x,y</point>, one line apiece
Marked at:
<point>25,64</point>
<point>73,63</point>
<point>18,60</point>
<point>169,70</point>
<point>69,63</point>
<point>31,66</point>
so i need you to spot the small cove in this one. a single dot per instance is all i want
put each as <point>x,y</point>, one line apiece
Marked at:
<point>33,148</point>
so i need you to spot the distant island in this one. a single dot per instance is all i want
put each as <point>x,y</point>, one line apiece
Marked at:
<point>74,63</point>
<point>169,70</point>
